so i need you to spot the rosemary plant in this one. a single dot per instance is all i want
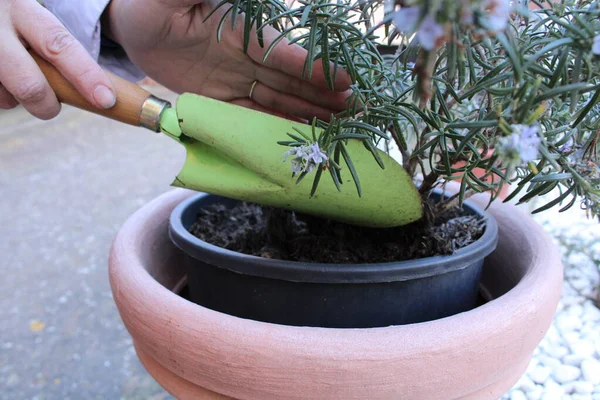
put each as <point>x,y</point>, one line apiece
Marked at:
<point>512,89</point>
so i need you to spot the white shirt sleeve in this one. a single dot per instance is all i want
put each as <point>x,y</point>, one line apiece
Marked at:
<point>82,19</point>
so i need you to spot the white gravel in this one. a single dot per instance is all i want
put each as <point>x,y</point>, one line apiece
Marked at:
<point>566,364</point>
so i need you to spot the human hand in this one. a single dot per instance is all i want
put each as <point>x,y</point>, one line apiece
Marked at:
<point>170,42</point>
<point>24,24</point>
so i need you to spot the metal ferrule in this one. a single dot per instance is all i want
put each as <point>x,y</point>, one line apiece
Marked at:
<point>152,110</point>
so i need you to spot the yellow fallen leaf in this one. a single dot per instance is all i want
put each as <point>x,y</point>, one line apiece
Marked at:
<point>37,326</point>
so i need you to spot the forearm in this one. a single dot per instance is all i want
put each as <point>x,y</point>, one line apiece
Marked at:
<point>84,19</point>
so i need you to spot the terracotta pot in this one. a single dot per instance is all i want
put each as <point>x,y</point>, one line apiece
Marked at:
<point>197,353</point>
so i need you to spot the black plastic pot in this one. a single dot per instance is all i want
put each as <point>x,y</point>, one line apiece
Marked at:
<point>328,295</point>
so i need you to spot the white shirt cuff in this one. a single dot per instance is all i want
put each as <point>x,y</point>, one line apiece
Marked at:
<point>82,19</point>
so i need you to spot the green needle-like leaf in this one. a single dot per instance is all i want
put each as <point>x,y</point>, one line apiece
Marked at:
<point>350,165</point>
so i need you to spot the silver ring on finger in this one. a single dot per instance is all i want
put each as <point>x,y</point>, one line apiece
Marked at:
<point>252,89</point>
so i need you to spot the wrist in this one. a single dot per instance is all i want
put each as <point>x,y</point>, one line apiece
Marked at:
<point>107,23</point>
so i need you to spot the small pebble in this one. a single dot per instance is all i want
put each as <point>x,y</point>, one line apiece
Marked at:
<point>526,384</point>
<point>536,394</point>
<point>590,370</point>
<point>549,361</point>
<point>574,360</point>
<point>579,284</point>
<point>583,387</point>
<point>556,352</point>
<point>565,373</point>
<point>592,313</point>
<point>567,387</point>
<point>571,298</point>
<point>583,349</point>
<point>539,374</point>
<point>576,396</point>
<point>552,336</point>
<point>576,310</point>
<point>517,395</point>
<point>568,323</point>
<point>552,390</point>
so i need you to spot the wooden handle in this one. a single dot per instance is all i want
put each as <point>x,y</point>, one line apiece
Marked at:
<point>130,97</point>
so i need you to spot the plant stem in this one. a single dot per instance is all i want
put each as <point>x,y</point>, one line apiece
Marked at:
<point>403,151</point>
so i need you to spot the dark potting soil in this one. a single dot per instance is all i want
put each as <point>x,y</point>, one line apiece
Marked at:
<point>274,233</point>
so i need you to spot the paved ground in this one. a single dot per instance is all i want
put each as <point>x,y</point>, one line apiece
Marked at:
<point>66,186</point>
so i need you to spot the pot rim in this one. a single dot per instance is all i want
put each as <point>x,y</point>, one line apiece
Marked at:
<point>483,349</point>
<point>296,271</point>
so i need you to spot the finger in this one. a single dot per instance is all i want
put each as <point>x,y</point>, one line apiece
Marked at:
<point>288,84</point>
<point>290,59</point>
<point>7,100</point>
<point>51,40</point>
<point>21,76</point>
<point>288,104</point>
<point>251,104</point>
<point>248,103</point>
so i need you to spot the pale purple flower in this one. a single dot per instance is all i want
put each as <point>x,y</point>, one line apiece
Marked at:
<point>521,145</point>
<point>297,166</point>
<point>429,33</point>
<point>596,45</point>
<point>406,19</point>
<point>306,157</point>
<point>297,152</point>
<point>568,147</point>
<point>529,142</point>
<point>466,15</point>
<point>498,14</point>
<point>316,155</point>
<point>389,6</point>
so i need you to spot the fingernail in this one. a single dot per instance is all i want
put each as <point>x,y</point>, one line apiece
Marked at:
<point>104,97</point>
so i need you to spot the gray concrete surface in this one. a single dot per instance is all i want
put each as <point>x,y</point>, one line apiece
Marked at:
<point>66,186</point>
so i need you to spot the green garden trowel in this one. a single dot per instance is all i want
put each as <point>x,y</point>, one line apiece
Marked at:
<point>233,152</point>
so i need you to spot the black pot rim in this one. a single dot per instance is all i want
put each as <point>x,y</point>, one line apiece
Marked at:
<point>296,271</point>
